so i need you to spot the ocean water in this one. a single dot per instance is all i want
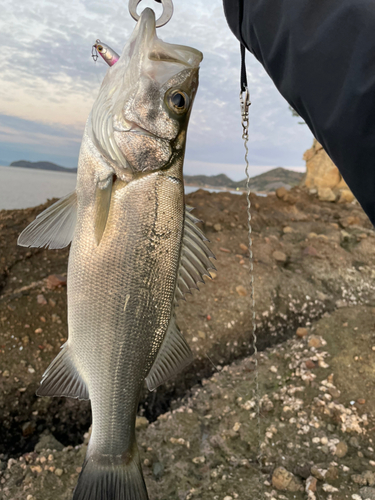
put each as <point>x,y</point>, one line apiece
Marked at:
<point>26,187</point>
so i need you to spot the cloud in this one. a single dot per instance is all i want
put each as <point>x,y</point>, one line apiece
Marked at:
<point>49,81</point>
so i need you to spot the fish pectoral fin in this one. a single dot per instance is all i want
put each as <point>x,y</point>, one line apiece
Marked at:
<point>174,355</point>
<point>53,228</point>
<point>102,204</point>
<point>62,378</point>
<point>195,258</point>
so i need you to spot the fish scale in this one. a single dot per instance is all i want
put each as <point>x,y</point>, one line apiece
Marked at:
<point>131,229</point>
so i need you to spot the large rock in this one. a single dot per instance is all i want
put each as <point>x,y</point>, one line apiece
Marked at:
<point>322,174</point>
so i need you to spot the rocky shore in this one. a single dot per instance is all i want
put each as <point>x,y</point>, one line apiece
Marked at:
<point>315,315</point>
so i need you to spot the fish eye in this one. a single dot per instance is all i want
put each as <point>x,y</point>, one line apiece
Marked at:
<point>177,101</point>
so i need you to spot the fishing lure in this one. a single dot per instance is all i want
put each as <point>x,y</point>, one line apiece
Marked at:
<point>109,55</point>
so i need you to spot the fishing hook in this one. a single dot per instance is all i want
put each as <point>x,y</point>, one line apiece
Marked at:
<point>163,19</point>
<point>94,52</point>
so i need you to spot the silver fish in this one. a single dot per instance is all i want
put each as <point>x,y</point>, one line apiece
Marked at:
<point>135,251</point>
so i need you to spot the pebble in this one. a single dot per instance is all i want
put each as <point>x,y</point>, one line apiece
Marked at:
<point>198,460</point>
<point>318,473</point>
<point>301,332</point>
<point>38,330</point>
<point>314,341</point>
<point>59,472</point>
<point>309,250</point>
<point>241,290</point>
<point>141,423</point>
<point>41,300</point>
<point>288,230</point>
<point>341,449</point>
<point>236,426</point>
<point>311,483</point>
<point>6,373</point>
<point>279,256</point>
<point>329,488</point>
<point>284,480</point>
<point>225,250</point>
<point>217,227</point>
<point>55,281</point>
<point>332,474</point>
<point>353,441</point>
<point>310,364</point>
<point>244,247</point>
<point>367,493</point>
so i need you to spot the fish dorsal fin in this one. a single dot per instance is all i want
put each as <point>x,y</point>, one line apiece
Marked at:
<point>53,228</point>
<point>62,378</point>
<point>195,257</point>
<point>174,354</point>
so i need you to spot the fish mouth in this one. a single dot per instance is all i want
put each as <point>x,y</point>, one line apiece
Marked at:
<point>128,126</point>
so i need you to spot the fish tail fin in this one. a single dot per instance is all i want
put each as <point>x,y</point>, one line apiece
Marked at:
<point>106,477</point>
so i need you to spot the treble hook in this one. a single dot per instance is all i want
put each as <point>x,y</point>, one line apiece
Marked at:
<point>163,19</point>
<point>94,52</point>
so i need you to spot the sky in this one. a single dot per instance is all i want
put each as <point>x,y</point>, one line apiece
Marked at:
<point>48,83</point>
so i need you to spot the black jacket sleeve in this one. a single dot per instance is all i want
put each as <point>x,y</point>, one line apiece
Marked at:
<point>321,56</point>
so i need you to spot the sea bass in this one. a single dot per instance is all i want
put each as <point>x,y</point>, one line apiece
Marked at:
<point>135,250</point>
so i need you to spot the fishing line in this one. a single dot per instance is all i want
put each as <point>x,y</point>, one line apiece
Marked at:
<point>245,104</point>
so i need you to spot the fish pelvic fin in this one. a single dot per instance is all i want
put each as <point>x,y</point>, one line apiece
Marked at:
<point>53,228</point>
<point>62,378</point>
<point>173,356</point>
<point>107,477</point>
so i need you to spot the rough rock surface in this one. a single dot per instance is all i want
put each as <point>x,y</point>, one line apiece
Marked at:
<point>328,270</point>
<point>323,175</point>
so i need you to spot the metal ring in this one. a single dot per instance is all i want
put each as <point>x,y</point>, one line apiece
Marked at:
<point>163,19</point>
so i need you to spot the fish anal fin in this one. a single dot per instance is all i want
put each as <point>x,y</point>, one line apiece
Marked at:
<point>62,378</point>
<point>173,356</point>
<point>53,228</point>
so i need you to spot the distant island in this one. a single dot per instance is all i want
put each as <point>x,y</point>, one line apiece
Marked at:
<point>267,182</point>
<point>42,165</point>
